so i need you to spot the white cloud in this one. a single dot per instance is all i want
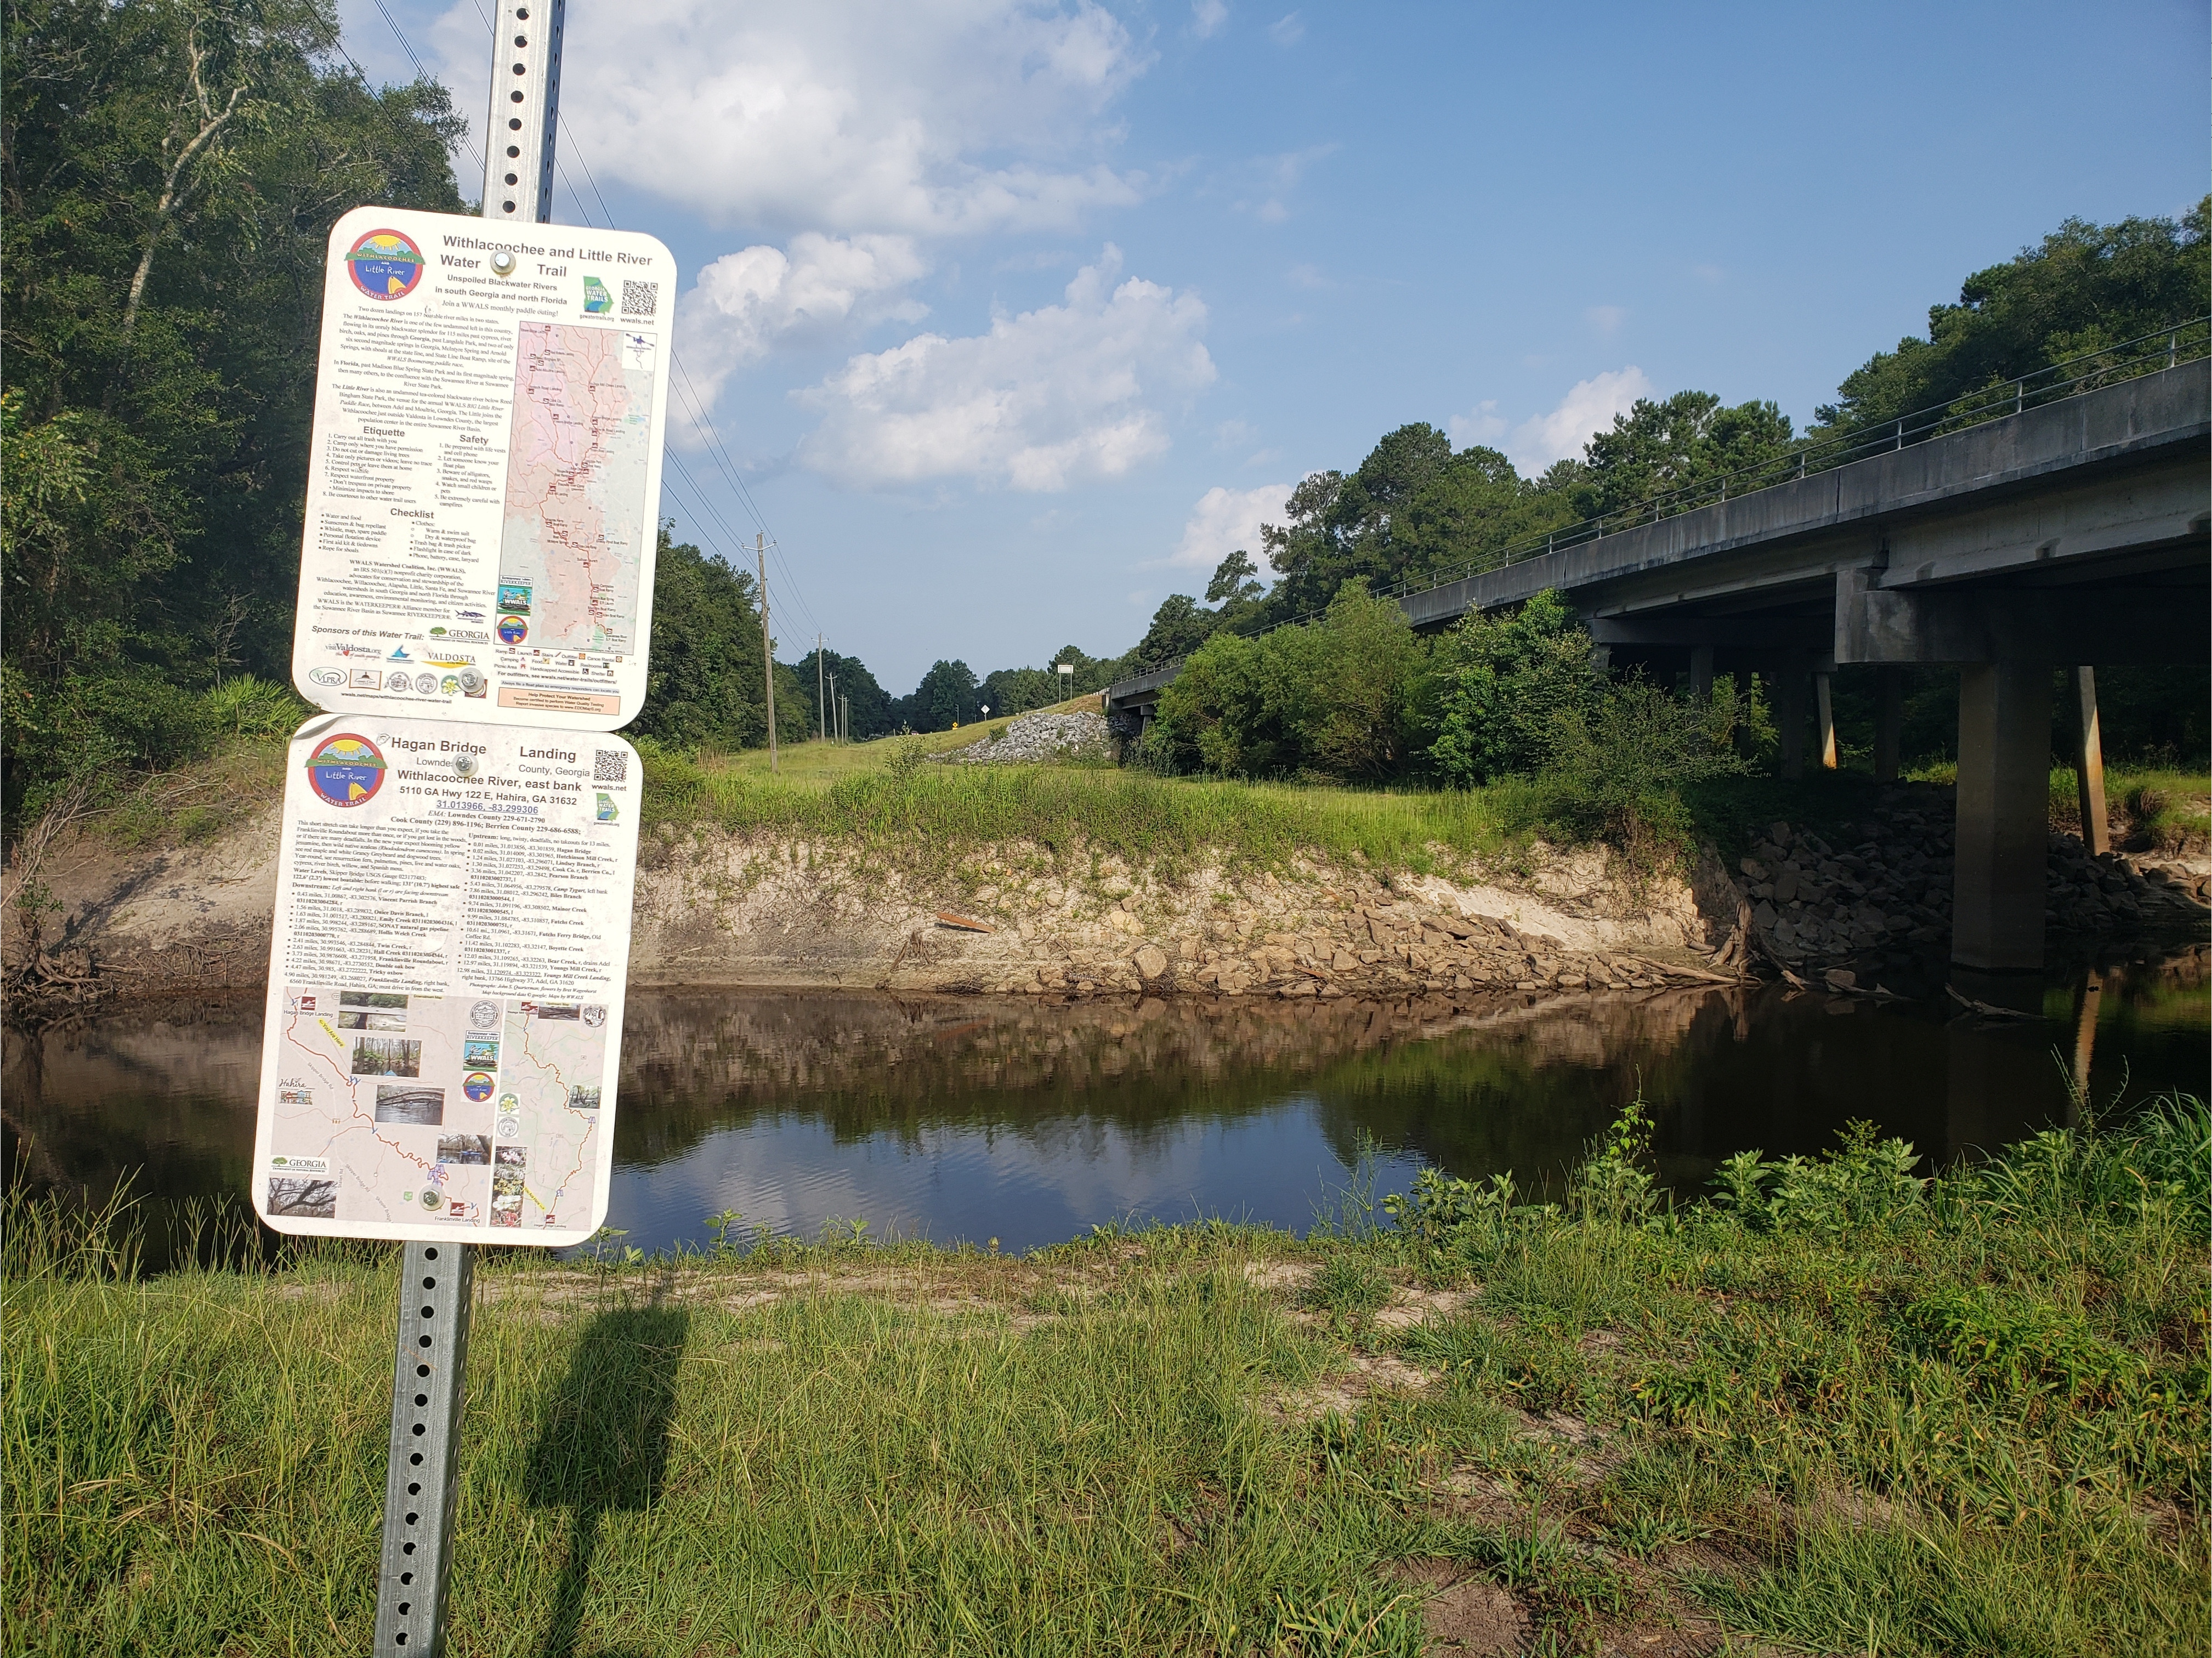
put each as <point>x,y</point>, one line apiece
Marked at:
<point>1587,409</point>
<point>746,303</point>
<point>843,115</point>
<point>1605,319</point>
<point>1046,398</point>
<point>1226,519</point>
<point>1481,424</point>
<point>1208,18</point>
<point>1286,30</point>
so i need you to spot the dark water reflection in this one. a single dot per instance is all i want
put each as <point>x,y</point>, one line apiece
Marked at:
<point>977,1118</point>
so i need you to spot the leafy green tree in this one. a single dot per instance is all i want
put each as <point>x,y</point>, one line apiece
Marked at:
<point>1414,509</point>
<point>1503,679</point>
<point>169,172</point>
<point>704,686</point>
<point>1235,587</point>
<point>1658,448</point>
<point>1619,763</point>
<point>1179,627</point>
<point>868,711</point>
<point>2085,288</point>
<point>946,697</point>
<point>1343,698</point>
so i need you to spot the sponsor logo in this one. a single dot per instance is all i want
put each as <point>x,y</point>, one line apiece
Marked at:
<point>385,265</point>
<point>365,679</point>
<point>597,300</point>
<point>515,596</point>
<point>427,684</point>
<point>476,1086</point>
<point>302,1165</point>
<point>512,630</point>
<point>399,654</point>
<point>484,1015</point>
<point>468,616</point>
<point>449,684</point>
<point>472,683</point>
<point>326,676</point>
<point>346,770</point>
<point>399,681</point>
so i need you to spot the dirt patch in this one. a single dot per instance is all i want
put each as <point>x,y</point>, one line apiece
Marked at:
<point>1464,1613</point>
<point>1344,1394</point>
<point>1286,1275</point>
<point>1410,1308</point>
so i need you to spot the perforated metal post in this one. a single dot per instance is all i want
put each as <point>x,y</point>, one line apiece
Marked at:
<point>427,1376</point>
<point>430,1366</point>
<point>525,106</point>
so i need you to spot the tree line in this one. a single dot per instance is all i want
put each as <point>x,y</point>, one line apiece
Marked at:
<point>169,172</point>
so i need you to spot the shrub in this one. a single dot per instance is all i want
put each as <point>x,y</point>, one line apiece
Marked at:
<point>1342,699</point>
<point>1617,767</point>
<point>1502,682</point>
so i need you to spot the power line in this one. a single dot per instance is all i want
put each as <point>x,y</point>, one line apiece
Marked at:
<point>420,74</point>
<point>700,419</point>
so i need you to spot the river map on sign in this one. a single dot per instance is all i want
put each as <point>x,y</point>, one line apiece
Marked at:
<point>468,1111</point>
<point>572,544</point>
<point>549,1105</point>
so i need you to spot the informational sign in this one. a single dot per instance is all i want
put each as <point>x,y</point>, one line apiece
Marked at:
<point>483,484</point>
<point>446,981</point>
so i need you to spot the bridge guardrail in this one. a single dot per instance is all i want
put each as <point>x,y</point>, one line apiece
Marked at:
<point>1999,399</point>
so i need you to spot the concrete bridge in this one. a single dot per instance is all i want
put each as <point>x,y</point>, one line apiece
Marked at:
<point>2067,535</point>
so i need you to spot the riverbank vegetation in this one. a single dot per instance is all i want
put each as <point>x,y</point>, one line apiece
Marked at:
<point>1840,1405</point>
<point>161,285</point>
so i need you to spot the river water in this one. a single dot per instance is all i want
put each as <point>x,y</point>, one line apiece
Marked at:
<point>980,1117</point>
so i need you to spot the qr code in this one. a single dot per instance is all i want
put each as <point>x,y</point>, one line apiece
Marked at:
<point>640,298</point>
<point>609,766</point>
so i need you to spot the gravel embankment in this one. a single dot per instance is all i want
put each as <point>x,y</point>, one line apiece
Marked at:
<point>1078,736</point>
<point>1889,889</point>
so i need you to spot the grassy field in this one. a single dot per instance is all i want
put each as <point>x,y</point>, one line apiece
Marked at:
<point>1836,1409</point>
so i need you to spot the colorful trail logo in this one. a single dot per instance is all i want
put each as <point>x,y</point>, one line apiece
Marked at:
<point>512,630</point>
<point>385,265</point>
<point>476,1086</point>
<point>597,301</point>
<point>346,770</point>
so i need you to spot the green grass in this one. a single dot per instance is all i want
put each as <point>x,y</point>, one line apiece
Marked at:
<point>927,811</point>
<point>1845,1408</point>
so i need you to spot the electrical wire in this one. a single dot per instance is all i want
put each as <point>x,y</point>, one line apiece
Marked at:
<point>702,421</point>
<point>420,74</point>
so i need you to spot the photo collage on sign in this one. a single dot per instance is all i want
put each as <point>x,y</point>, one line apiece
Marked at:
<point>464,1111</point>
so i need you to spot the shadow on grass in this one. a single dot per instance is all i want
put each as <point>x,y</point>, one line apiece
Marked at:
<point>603,1446</point>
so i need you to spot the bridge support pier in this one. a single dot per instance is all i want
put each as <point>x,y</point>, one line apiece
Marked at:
<point>2003,829</point>
<point>1790,716</point>
<point>1824,718</point>
<point>1701,674</point>
<point>1888,724</point>
<point>2089,764</point>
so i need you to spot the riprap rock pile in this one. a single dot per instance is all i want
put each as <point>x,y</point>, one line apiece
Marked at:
<point>1079,736</point>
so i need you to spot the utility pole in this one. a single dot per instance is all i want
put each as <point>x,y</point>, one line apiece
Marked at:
<point>436,1298</point>
<point>821,712</point>
<point>768,646</point>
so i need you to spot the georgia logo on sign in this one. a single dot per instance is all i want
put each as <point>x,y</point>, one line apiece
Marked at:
<point>346,770</point>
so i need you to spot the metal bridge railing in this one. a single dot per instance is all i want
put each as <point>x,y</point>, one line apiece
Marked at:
<point>1999,399</point>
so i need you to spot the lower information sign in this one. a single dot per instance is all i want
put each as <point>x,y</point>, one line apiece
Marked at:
<point>446,981</point>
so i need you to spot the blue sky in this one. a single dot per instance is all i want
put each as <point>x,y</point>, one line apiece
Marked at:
<point>1014,318</point>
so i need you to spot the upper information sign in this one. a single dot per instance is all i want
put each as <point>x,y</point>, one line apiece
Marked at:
<point>482,492</point>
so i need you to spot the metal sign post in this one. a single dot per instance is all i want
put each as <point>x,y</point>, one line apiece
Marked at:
<point>429,1370</point>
